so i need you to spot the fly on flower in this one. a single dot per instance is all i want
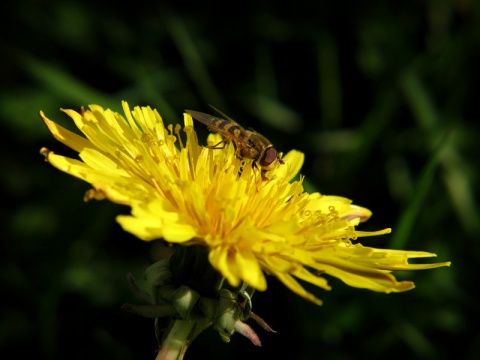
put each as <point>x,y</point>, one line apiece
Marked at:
<point>248,143</point>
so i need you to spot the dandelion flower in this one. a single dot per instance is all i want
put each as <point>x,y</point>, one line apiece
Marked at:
<point>187,194</point>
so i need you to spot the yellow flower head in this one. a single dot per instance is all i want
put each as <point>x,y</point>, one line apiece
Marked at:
<point>188,194</point>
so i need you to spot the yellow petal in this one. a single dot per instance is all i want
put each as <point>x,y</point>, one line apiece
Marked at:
<point>65,136</point>
<point>293,163</point>
<point>298,289</point>
<point>155,222</point>
<point>250,270</point>
<point>219,259</point>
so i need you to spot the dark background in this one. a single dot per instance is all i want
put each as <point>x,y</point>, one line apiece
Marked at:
<point>382,97</point>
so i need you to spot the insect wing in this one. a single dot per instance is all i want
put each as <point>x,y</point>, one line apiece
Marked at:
<point>205,119</point>
<point>225,116</point>
<point>228,128</point>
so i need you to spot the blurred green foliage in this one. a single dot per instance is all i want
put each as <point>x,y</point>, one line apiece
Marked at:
<point>381,97</point>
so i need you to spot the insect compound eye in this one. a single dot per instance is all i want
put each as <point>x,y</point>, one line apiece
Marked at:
<point>269,158</point>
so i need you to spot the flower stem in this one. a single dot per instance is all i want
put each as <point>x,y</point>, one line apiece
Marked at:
<point>175,344</point>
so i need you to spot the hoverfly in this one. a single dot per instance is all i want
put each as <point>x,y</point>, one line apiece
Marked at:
<point>248,143</point>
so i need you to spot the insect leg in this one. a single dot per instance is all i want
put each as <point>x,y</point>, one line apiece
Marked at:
<point>217,147</point>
